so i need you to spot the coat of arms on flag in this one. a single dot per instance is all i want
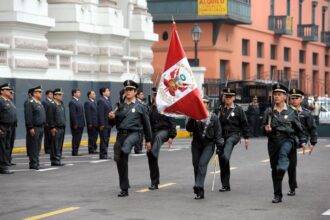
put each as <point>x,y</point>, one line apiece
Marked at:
<point>177,90</point>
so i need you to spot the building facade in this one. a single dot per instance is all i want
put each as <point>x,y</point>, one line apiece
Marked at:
<point>253,40</point>
<point>74,43</point>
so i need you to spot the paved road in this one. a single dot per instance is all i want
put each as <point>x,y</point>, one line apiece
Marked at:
<point>87,188</point>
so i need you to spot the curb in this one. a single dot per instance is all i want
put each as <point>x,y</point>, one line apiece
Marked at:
<point>180,134</point>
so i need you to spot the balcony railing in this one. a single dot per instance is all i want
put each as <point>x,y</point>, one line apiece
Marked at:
<point>235,11</point>
<point>280,24</point>
<point>325,38</point>
<point>308,32</point>
<point>59,59</point>
<point>3,54</point>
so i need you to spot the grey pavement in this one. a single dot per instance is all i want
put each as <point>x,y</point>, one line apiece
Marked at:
<point>90,186</point>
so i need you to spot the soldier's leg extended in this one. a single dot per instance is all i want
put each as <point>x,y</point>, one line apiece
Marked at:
<point>206,155</point>
<point>158,139</point>
<point>292,170</point>
<point>225,158</point>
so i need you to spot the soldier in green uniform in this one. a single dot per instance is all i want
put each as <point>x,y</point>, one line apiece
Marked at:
<point>309,126</point>
<point>234,124</point>
<point>56,121</point>
<point>130,118</point>
<point>206,135</point>
<point>8,117</point>
<point>35,120</point>
<point>283,128</point>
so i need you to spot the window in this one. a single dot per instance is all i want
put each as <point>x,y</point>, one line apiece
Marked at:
<point>287,54</point>
<point>272,72</point>
<point>245,47</point>
<point>302,79</point>
<point>315,58</point>
<point>286,73</point>
<point>260,50</point>
<point>302,56</point>
<point>260,70</point>
<point>326,83</point>
<point>273,52</point>
<point>245,70</point>
<point>326,60</point>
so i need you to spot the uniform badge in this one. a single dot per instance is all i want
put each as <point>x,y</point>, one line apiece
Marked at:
<point>285,117</point>
<point>31,100</point>
<point>133,110</point>
<point>232,114</point>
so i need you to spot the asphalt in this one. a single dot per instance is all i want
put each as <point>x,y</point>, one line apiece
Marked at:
<point>86,188</point>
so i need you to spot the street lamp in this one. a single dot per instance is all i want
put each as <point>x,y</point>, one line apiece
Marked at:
<point>196,36</point>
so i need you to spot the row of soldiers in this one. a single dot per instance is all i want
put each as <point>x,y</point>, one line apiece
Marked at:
<point>287,127</point>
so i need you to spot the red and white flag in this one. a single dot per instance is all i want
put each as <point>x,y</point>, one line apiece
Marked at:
<point>177,91</point>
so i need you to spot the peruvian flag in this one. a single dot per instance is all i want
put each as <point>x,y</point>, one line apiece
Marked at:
<point>177,91</point>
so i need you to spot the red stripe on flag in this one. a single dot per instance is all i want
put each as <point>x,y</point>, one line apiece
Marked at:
<point>190,105</point>
<point>175,51</point>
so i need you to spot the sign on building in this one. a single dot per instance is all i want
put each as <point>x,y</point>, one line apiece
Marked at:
<point>212,7</point>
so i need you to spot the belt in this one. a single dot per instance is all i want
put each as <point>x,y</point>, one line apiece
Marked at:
<point>279,135</point>
<point>125,131</point>
<point>229,133</point>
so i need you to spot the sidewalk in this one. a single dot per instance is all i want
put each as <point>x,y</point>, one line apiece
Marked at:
<point>20,146</point>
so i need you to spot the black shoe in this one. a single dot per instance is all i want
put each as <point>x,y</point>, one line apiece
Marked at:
<point>123,193</point>
<point>291,193</point>
<point>6,172</point>
<point>93,152</point>
<point>57,164</point>
<point>47,152</point>
<point>224,189</point>
<point>277,199</point>
<point>200,193</point>
<point>106,158</point>
<point>12,164</point>
<point>138,152</point>
<point>77,155</point>
<point>153,187</point>
<point>195,188</point>
<point>35,167</point>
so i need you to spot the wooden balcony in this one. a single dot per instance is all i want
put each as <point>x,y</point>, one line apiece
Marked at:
<point>280,24</point>
<point>308,32</point>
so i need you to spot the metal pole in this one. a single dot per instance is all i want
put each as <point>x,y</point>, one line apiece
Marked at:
<point>196,51</point>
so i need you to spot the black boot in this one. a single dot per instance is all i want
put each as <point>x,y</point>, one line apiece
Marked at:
<point>200,194</point>
<point>195,188</point>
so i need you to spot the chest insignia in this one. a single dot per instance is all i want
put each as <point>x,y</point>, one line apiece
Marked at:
<point>133,110</point>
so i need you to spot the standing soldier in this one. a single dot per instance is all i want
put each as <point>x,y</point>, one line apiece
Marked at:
<point>104,107</point>
<point>233,121</point>
<point>56,120</point>
<point>309,128</point>
<point>130,117</point>
<point>46,103</point>
<point>163,129</point>
<point>206,134</point>
<point>91,120</point>
<point>13,131</point>
<point>35,119</point>
<point>77,121</point>
<point>253,114</point>
<point>282,126</point>
<point>8,117</point>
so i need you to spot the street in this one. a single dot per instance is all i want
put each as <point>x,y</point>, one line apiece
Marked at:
<point>87,188</point>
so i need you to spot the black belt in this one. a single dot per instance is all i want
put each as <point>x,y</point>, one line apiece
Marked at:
<point>279,135</point>
<point>125,131</point>
<point>226,133</point>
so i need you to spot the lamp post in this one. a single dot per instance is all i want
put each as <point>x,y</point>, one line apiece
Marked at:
<point>196,36</point>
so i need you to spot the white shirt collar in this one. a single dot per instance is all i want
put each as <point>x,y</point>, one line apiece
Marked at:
<point>285,107</point>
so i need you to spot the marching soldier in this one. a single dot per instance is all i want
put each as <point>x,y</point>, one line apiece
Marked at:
<point>91,120</point>
<point>35,119</point>
<point>234,122</point>
<point>309,128</point>
<point>130,117</point>
<point>56,120</point>
<point>104,107</point>
<point>138,147</point>
<point>206,134</point>
<point>253,114</point>
<point>8,117</point>
<point>282,126</point>
<point>46,103</point>
<point>163,129</point>
<point>77,120</point>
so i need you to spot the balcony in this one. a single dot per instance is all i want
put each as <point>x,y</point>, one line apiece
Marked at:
<point>280,24</point>
<point>308,32</point>
<point>234,12</point>
<point>325,38</point>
